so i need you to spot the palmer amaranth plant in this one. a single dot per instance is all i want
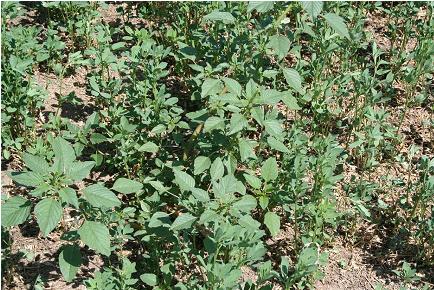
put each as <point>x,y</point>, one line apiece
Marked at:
<point>220,145</point>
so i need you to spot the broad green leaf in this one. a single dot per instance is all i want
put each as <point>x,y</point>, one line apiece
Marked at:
<point>15,211</point>
<point>149,279</point>
<point>293,78</point>
<point>270,97</point>
<point>29,178</point>
<point>80,170</point>
<point>40,190</point>
<point>92,120</point>
<point>277,145</point>
<point>245,204</point>
<point>251,90</point>
<point>233,86</point>
<point>238,123</point>
<point>211,87</point>
<point>124,185</point>
<point>263,201</point>
<point>100,196</point>
<point>356,143</point>
<point>363,210</point>
<point>69,196</point>
<point>260,6</point>
<point>226,17</point>
<point>159,219</point>
<point>48,213</point>
<point>158,185</point>
<point>184,180</point>
<point>313,8</point>
<point>231,161</point>
<point>208,216</point>
<point>69,262</point>
<point>200,194</point>
<point>96,236</point>
<point>253,181</point>
<point>272,221</point>
<point>246,149</point>
<point>118,45</point>
<point>273,127</point>
<point>213,123</point>
<point>97,138</point>
<point>280,45</point>
<point>269,169</point>
<point>338,24</point>
<point>150,147</point>
<point>188,52</point>
<point>201,163</point>
<point>258,114</point>
<point>35,163</point>
<point>64,153</point>
<point>160,128</point>
<point>290,101</point>
<point>217,169</point>
<point>183,221</point>
<point>250,223</point>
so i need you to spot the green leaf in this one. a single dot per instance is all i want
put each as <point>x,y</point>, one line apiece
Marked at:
<point>280,45</point>
<point>313,8</point>
<point>149,279</point>
<point>158,185</point>
<point>100,196</point>
<point>290,101</point>
<point>80,170</point>
<point>250,223</point>
<point>69,262</point>
<point>245,204</point>
<point>269,169</point>
<point>184,180</point>
<point>118,45</point>
<point>226,17</point>
<point>30,178</point>
<point>253,181</point>
<point>211,87</point>
<point>277,145</point>
<point>183,221</point>
<point>96,236</point>
<point>238,123</point>
<point>150,147</point>
<point>272,221</point>
<point>124,185</point>
<point>64,153</point>
<point>273,127</point>
<point>338,24</point>
<point>91,121</point>
<point>36,163</point>
<point>15,211</point>
<point>246,149</point>
<point>260,6</point>
<point>233,86</point>
<point>160,128</point>
<point>201,163</point>
<point>159,219</point>
<point>48,213</point>
<point>200,194</point>
<point>217,169</point>
<point>293,78</point>
<point>97,138</point>
<point>69,196</point>
<point>363,210</point>
<point>213,123</point>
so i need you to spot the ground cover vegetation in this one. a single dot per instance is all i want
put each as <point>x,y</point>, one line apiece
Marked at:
<point>221,145</point>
